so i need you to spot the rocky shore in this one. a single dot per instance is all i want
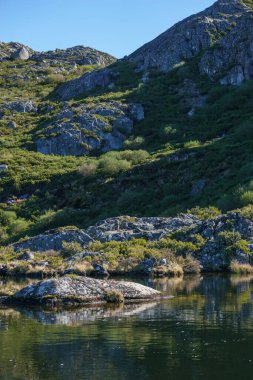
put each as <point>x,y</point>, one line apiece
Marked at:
<point>127,245</point>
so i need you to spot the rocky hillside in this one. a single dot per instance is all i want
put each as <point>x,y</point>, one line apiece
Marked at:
<point>220,38</point>
<point>225,27</point>
<point>155,134</point>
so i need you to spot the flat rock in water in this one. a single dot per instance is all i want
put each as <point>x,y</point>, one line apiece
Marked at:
<point>81,290</point>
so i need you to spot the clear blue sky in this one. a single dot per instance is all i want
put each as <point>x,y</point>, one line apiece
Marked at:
<point>115,26</point>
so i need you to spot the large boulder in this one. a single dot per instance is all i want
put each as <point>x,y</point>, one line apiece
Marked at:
<point>14,50</point>
<point>82,290</point>
<point>21,53</point>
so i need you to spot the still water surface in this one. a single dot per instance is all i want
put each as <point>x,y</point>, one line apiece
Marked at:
<point>205,332</point>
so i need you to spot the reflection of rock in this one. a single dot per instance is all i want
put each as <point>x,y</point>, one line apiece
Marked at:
<point>84,315</point>
<point>80,290</point>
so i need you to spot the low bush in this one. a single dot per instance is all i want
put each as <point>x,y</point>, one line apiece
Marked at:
<point>206,213</point>
<point>113,296</point>
<point>71,248</point>
<point>88,169</point>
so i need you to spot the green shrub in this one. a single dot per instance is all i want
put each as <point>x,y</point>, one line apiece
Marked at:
<point>110,166</point>
<point>247,212</point>
<point>71,248</point>
<point>231,242</point>
<point>192,144</point>
<point>247,198</point>
<point>134,142</point>
<point>206,213</point>
<point>7,217</point>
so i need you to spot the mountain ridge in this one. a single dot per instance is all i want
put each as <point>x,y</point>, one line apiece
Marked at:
<point>74,55</point>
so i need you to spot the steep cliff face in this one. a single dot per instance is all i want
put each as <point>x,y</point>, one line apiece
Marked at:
<point>222,33</point>
<point>231,59</point>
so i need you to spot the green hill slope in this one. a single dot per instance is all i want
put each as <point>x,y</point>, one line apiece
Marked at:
<point>193,148</point>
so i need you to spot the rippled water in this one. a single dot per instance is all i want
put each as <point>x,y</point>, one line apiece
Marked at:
<point>205,332</point>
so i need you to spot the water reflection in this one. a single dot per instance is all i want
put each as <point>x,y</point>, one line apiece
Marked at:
<point>204,332</point>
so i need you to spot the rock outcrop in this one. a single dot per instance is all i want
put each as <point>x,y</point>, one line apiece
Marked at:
<point>79,130</point>
<point>52,240</point>
<point>77,55</point>
<point>116,229</point>
<point>84,84</point>
<point>222,32</point>
<point>126,228</point>
<point>20,106</point>
<point>211,256</point>
<point>14,50</point>
<point>74,291</point>
<point>231,59</point>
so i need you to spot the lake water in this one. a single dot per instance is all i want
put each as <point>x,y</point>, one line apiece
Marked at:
<point>205,332</point>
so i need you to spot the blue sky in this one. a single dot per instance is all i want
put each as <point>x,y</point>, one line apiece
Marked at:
<point>114,26</point>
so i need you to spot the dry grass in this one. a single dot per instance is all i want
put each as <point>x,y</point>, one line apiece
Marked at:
<point>24,268</point>
<point>239,268</point>
<point>82,268</point>
<point>190,265</point>
<point>172,269</point>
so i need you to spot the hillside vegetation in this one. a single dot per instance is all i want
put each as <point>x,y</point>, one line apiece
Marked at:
<point>192,149</point>
<point>171,163</point>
